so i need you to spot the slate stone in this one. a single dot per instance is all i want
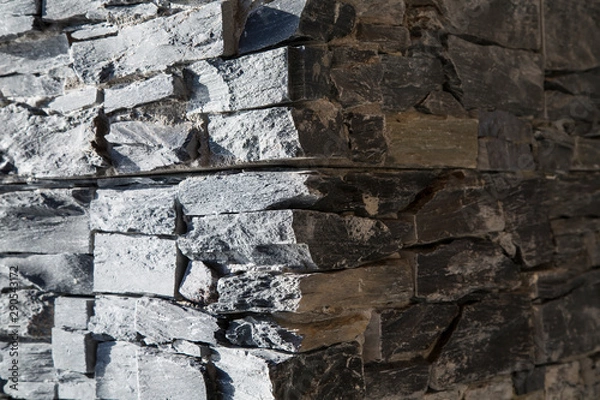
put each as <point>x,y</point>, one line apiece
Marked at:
<point>147,91</point>
<point>586,83</point>
<point>298,239</point>
<point>46,220</point>
<point>137,146</point>
<point>358,83</point>
<point>258,80</point>
<point>199,283</point>
<point>73,351</point>
<point>397,335</point>
<point>558,282</point>
<point>388,38</point>
<point>453,271</point>
<point>144,210</point>
<point>575,196</point>
<point>160,321</point>
<point>567,327</point>
<point>66,10</point>
<point>59,273</point>
<point>22,86</point>
<point>380,11</point>
<point>408,80</point>
<point>440,102</point>
<point>114,317</point>
<point>36,373</point>
<point>497,328</point>
<point>276,133</point>
<point>367,137</point>
<point>135,264</point>
<point>334,373</point>
<point>571,35</point>
<point>587,155</point>
<point>34,319</point>
<point>34,56</point>
<point>73,313</point>
<point>499,388</point>
<point>17,17</point>
<point>406,380</point>
<point>33,144</point>
<point>166,41</point>
<point>94,31</point>
<point>561,105</point>
<point>284,20</point>
<point>577,243</point>
<point>519,75</point>
<point>116,371</point>
<point>75,100</point>
<point>426,141</point>
<point>554,150</point>
<point>355,289</point>
<point>513,24</point>
<point>76,386</point>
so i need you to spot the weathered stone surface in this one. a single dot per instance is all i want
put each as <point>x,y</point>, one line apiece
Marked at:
<point>334,373</point>
<point>35,372</point>
<point>575,196</point>
<point>396,335</point>
<point>519,74</point>
<point>380,11</point>
<point>452,271</point>
<point>571,35</point>
<point>94,31</point>
<point>130,14</point>
<point>500,388</point>
<point>440,102</point>
<point>367,137</point>
<point>34,144</point>
<point>257,80</point>
<point>60,273</point>
<point>75,100</point>
<point>157,44</point>
<point>357,76</point>
<point>276,133</point>
<point>498,328</point>
<point>17,17</point>
<point>406,380</point>
<point>513,23</point>
<point>554,150</point>
<point>116,371</point>
<point>408,80</point>
<point>561,105</point>
<point>64,10</point>
<point>19,87</point>
<point>149,211</point>
<point>73,312</point>
<point>72,386</point>
<point>577,243</point>
<point>160,321</point>
<point>199,284</point>
<point>32,318</point>
<point>355,289</point>
<point>293,239</point>
<point>569,326</point>
<point>419,140</point>
<point>285,333</point>
<point>137,146</point>
<point>34,56</point>
<point>504,143</point>
<point>587,155</point>
<point>283,20</point>
<point>135,264</point>
<point>114,317</point>
<point>580,83</point>
<point>73,351</point>
<point>153,89</point>
<point>564,381</point>
<point>387,38</point>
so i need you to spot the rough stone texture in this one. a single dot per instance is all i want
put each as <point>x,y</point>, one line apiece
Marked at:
<point>577,243</point>
<point>357,76</point>
<point>75,100</point>
<point>452,271</point>
<point>580,48</point>
<point>34,56</point>
<point>292,239</point>
<point>31,85</point>
<point>513,23</point>
<point>73,351</point>
<point>378,286</point>
<point>283,20</point>
<point>136,146</point>
<point>498,328</point>
<point>116,371</point>
<point>575,197</point>
<point>140,92</point>
<point>76,386</point>
<point>60,273</point>
<point>199,283</point>
<point>257,80</point>
<point>17,17</point>
<point>148,210</point>
<point>443,103</point>
<point>156,44</point>
<point>406,380</point>
<point>559,324</point>
<point>135,264</point>
<point>114,317</point>
<point>36,372</point>
<point>587,155</point>
<point>73,312</point>
<point>63,10</point>
<point>367,137</point>
<point>518,75</point>
<point>417,140</point>
<point>33,315</point>
<point>94,31</point>
<point>501,389</point>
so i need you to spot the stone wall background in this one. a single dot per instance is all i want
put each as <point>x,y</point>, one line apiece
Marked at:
<point>300,199</point>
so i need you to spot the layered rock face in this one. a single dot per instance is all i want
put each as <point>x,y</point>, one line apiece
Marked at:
<point>299,199</point>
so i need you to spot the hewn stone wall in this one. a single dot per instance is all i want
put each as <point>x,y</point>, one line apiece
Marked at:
<point>296,199</point>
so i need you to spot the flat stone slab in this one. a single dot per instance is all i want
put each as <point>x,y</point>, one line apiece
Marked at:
<point>17,17</point>
<point>76,386</point>
<point>73,351</point>
<point>406,380</point>
<point>23,86</point>
<point>75,100</point>
<point>149,90</point>
<point>114,318</point>
<point>116,371</point>
<point>29,56</point>
<point>73,313</point>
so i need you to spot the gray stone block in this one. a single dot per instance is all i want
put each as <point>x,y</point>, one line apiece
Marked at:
<point>167,41</point>
<point>117,371</point>
<point>75,100</point>
<point>94,31</point>
<point>199,284</point>
<point>30,56</point>
<point>149,90</point>
<point>73,313</point>
<point>65,10</point>
<point>148,211</point>
<point>32,318</point>
<point>45,220</point>
<point>73,386</point>
<point>73,351</point>
<point>135,264</point>
<point>35,363</point>
<point>17,17</point>
<point>23,86</point>
<point>114,317</point>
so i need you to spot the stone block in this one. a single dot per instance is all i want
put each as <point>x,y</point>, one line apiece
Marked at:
<point>135,264</point>
<point>29,56</point>
<point>507,339</point>
<point>406,380</point>
<point>114,318</point>
<point>17,17</point>
<point>572,40</point>
<point>257,80</point>
<point>367,137</point>
<point>67,10</point>
<point>518,73</point>
<point>380,11</point>
<point>440,102</point>
<point>289,239</point>
<point>500,388</point>
<point>153,89</point>
<point>58,273</point>
<point>277,133</point>
<point>73,351</point>
<point>284,20</point>
<point>166,41</point>
<point>199,283</point>
<point>587,155</point>
<point>561,105</point>
<point>87,32</point>
<point>554,150</point>
<point>75,100</point>
<point>137,146</point>
<point>129,14</point>
<point>387,38</point>
<point>453,271</point>
<point>146,210</point>
<point>357,82</point>
<point>564,381</point>
<point>426,141</point>
<point>23,86</point>
<point>586,83</point>
<point>32,318</point>
<point>575,196</point>
<point>577,243</point>
<point>388,285</point>
<point>117,371</point>
<point>73,386</point>
<point>73,313</point>
<point>35,363</point>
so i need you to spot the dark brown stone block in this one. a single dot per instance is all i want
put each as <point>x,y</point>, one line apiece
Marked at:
<point>406,380</point>
<point>575,196</point>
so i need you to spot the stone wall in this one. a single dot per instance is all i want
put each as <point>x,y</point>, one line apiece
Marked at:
<point>300,199</point>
